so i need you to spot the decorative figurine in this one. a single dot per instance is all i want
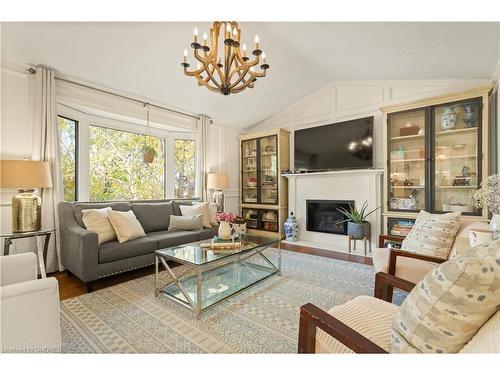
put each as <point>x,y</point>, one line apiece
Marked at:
<point>448,119</point>
<point>291,227</point>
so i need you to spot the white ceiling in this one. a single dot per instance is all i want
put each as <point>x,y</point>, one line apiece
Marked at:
<point>143,58</point>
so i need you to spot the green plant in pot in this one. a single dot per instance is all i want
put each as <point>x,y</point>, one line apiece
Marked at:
<point>357,225</point>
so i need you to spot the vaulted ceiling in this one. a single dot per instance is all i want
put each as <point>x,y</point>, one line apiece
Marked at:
<point>143,58</point>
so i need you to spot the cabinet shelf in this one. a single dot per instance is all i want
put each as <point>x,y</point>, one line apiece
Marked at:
<point>438,158</point>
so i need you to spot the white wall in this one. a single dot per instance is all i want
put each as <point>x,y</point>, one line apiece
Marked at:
<point>347,100</point>
<point>15,136</point>
<point>223,156</point>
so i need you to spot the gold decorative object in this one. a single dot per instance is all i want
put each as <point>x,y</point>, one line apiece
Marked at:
<point>231,72</point>
<point>25,176</point>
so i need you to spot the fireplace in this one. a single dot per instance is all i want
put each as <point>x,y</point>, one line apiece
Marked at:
<point>323,216</point>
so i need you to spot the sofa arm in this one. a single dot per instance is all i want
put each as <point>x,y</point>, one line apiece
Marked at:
<point>17,268</point>
<point>30,317</point>
<point>78,245</point>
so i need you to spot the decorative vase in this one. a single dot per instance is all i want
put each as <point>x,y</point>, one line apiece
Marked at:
<point>469,116</point>
<point>448,119</point>
<point>225,230</point>
<point>240,228</point>
<point>359,231</point>
<point>291,227</point>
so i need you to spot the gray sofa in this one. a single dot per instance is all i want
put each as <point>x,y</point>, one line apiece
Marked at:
<point>82,256</point>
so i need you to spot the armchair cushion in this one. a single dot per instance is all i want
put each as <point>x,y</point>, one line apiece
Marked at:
<point>371,317</point>
<point>487,339</point>
<point>18,268</point>
<point>451,303</point>
<point>409,269</point>
<point>433,234</point>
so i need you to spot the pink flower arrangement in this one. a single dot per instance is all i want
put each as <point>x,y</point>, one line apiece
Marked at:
<point>225,216</point>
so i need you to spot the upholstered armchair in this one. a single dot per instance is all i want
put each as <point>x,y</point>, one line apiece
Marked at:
<point>30,320</point>
<point>364,325</point>
<point>411,266</point>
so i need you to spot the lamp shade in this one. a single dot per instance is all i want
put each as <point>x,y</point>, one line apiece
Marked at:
<point>24,174</point>
<point>217,181</point>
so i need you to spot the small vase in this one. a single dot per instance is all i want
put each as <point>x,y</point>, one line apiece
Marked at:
<point>291,227</point>
<point>469,116</point>
<point>225,230</point>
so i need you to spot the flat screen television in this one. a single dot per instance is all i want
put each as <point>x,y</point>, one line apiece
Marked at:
<point>342,145</point>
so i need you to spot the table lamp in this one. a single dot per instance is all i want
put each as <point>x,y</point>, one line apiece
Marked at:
<point>25,176</point>
<point>218,181</point>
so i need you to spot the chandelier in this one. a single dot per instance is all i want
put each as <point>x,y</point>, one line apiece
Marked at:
<point>222,64</point>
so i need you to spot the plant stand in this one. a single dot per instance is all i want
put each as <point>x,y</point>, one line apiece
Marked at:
<point>364,239</point>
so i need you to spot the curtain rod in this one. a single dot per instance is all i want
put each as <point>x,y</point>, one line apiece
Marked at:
<point>126,97</point>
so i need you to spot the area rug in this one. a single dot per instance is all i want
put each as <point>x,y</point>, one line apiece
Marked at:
<point>127,318</point>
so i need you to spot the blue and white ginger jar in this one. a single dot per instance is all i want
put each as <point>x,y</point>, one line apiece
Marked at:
<point>291,227</point>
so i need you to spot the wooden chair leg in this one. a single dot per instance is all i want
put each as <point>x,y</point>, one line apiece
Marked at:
<point>307,334</point>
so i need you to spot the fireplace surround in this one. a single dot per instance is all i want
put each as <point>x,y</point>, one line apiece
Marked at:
<point>322,215</point>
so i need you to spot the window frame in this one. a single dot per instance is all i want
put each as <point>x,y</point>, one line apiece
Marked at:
<point>195,164</point>
<point>77,151</point>
<point>86,120</point>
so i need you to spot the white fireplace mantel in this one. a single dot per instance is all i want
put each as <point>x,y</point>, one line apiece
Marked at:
<point>358,185</point>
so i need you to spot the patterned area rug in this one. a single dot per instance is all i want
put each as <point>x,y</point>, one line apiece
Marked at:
<point>127,318</point>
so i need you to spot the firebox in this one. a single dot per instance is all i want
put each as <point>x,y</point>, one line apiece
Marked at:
<point>323,216</point>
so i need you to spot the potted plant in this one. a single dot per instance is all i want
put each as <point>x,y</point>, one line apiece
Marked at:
<point>149,153</point>
<point>357,225</point>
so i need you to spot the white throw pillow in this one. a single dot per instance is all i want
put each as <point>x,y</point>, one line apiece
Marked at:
<point>126,225</point>
<point>185,222</point>
<point>199,209</point>
<point>212,211</point>
<point>96,220</point>
<point>433,234</point>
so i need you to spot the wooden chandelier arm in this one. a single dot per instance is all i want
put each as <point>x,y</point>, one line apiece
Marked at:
<point>312,317</point>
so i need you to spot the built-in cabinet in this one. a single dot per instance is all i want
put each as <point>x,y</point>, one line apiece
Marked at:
<point>436,157</point>
<point>264,192</point>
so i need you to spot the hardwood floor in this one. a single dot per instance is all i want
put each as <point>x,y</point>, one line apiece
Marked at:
<point>70,286</point>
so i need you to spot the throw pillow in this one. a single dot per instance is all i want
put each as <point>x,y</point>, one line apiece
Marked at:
<point>126,225</point>
<point>186,222</point>
<point>433,234</point>
<point>451,303</point>
<point>96,220</point>
<point>199,209</point>
<point>212,211</point>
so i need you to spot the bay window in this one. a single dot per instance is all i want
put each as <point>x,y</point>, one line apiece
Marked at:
<point>103,159</point>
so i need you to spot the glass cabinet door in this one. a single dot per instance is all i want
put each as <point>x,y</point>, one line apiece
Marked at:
<point>249,171</point>
<point>456,165</point>
<point>406,160</point>
<point>268,170</point>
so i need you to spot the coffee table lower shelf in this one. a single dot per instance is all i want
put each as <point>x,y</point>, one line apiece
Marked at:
<point>216,284</point>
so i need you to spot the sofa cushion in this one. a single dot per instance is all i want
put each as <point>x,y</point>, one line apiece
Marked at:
<point>96,220</point>
<point>185,222</point>
<point>116,206</point>
<point>112,251</point>
<point>153,216</point>
<point>433,234</point>
<point>409,269</point>
<point>371,317</point>
<point>177,208</point>
<point>167,238</point>
<point>461,243</point>
<point>197,209</point>
<point>206,233</point>
<point>446,309</point>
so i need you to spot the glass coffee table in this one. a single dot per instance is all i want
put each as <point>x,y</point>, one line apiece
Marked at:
<point>212,276</point>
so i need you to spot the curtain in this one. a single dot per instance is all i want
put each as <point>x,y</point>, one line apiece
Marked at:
<point>46,148</point>
<point>202,127</point>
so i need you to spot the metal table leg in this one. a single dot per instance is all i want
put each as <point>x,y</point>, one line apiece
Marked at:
<point>156,275</point>
<point>198,294</point>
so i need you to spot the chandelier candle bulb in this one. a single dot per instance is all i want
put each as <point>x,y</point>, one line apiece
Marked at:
<point>185,55</point>
<point>205,39</point>
<point>257,40</point>
<point>195,32</point>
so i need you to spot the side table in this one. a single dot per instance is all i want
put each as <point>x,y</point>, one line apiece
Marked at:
<point>41,250</point>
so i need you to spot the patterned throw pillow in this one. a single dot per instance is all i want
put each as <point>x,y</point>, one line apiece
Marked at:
<point>445,310</point>
<point>433,234</point>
